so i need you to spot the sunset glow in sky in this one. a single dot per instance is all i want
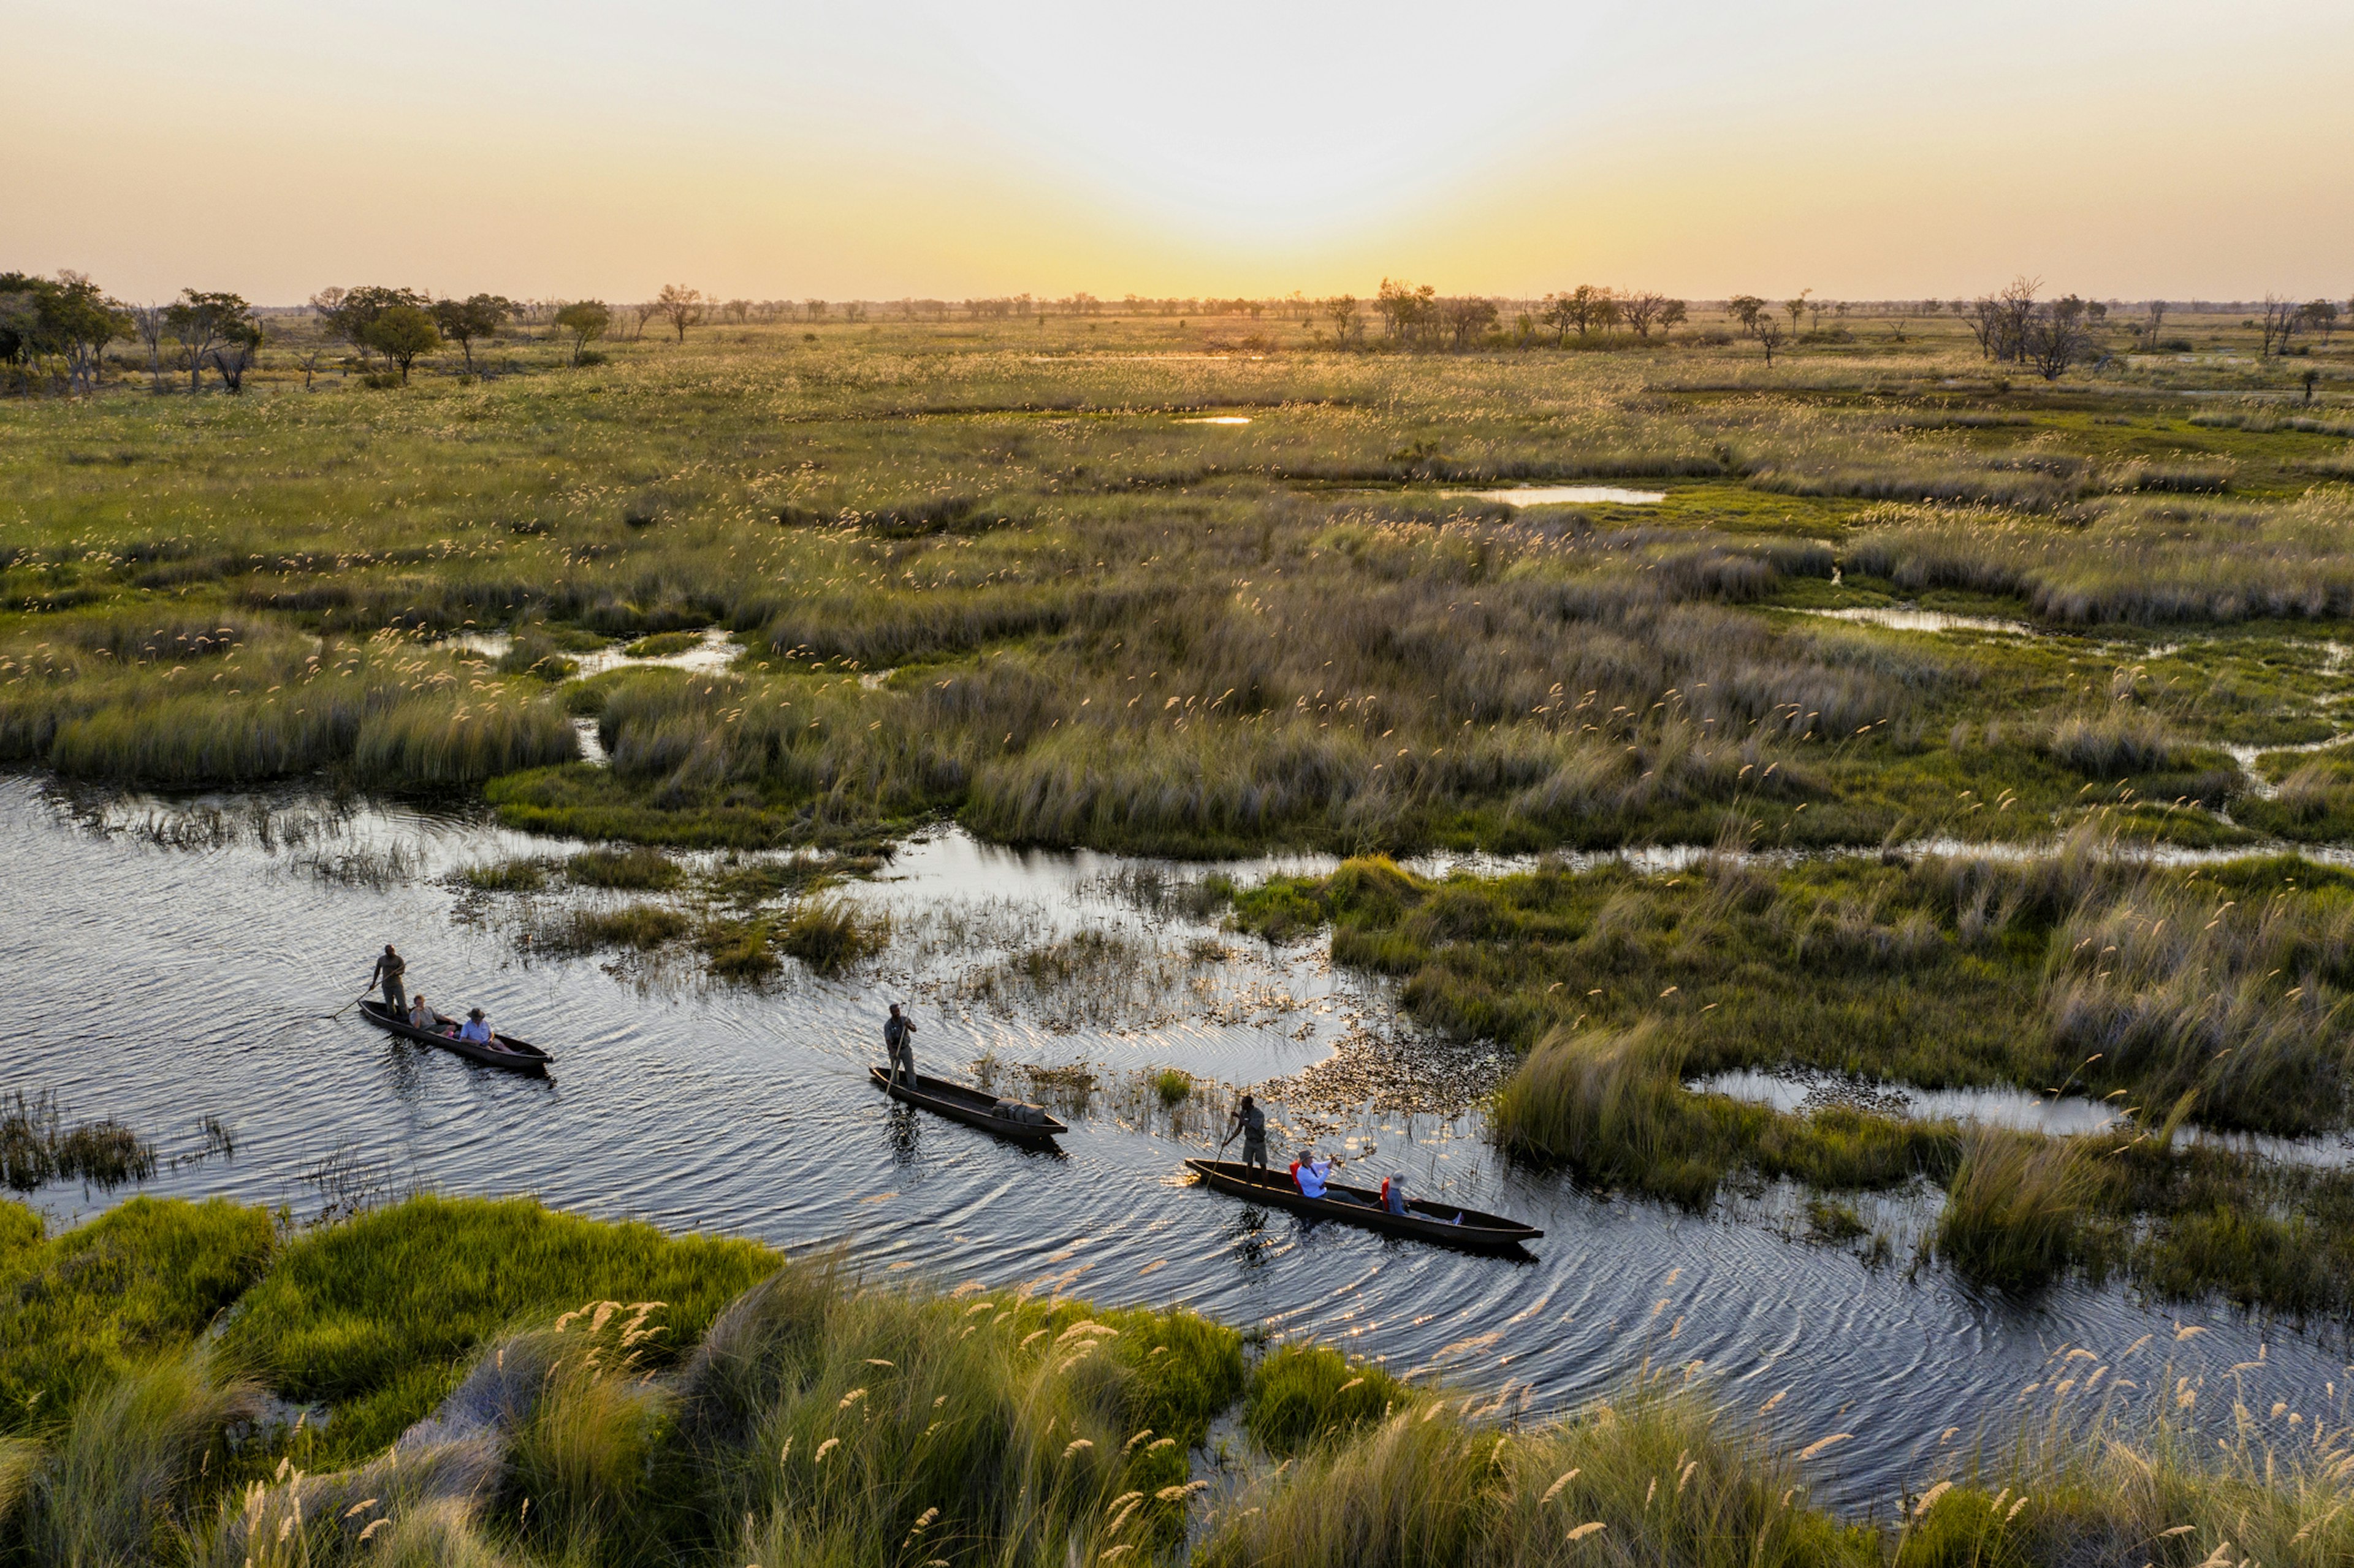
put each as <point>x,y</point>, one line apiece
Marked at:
<point>892,148</point>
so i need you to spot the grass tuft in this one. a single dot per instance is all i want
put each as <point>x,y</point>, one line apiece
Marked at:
<point>831,935</point>
<point>2014,1210</point>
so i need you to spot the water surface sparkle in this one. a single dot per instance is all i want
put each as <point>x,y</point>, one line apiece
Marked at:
<point>160,984</point>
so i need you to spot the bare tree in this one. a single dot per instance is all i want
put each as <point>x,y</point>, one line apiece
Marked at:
<point>683,308</point>
<point>1767,331</point>
<point>1641,310</point>
<point>307,362</point>
<point>739,311</point>
<point>234,358</point>
<point>2153,319</point>
<point>2015,310</point>
<point>644,312</point>
<point>2279,324</point>
<point>151,324</point>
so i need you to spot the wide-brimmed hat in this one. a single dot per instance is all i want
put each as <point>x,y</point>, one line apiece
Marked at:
<point>474,1012</point>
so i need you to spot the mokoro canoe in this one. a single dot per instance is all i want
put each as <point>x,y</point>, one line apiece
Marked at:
<point>971,1106</point>
<point>520,1055</point>
<point>1424,1220</point>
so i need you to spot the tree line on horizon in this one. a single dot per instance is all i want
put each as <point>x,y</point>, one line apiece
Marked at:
<point>55,331</point>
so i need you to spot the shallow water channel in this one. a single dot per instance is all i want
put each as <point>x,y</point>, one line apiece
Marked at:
<point>160,982</point>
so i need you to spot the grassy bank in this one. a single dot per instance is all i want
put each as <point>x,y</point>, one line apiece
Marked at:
<point>996,573</point>
<point>703,1402</point>
<point>2217,994</point>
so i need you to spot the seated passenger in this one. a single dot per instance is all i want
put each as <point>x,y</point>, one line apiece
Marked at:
<point>1312,1174</point>
<point>477,1032</point>
<point>1394,1194</point>
<point>421,1016</point>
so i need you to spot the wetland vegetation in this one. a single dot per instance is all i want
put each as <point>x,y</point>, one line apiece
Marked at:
<point>1129,585</point>
<point>407,1385</point>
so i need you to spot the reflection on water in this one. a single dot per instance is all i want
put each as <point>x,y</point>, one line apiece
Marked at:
<point>1926,620</point>
<point>1565,495</point>
<point>2259,786</point>
<point>161,983</point>
<point>715,651</point>
<point>1804,1089</point>
<point>1797,1088</point>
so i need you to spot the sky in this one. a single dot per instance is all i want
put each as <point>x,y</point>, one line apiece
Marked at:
<point>773,149</point>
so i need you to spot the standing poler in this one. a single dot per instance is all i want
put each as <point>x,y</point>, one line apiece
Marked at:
<point>389,968</point>
<point>898,1039</point>
<point>1251,1122</point>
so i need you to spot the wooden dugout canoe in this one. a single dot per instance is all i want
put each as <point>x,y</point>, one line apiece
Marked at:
<point>519,1055</point>
<point>1424,1220</point>
<point>975,1108</point>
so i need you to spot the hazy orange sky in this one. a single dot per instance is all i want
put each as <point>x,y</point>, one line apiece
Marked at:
<point>535,148</point>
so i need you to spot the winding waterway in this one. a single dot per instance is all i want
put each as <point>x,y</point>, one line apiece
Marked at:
<point>159,983</point>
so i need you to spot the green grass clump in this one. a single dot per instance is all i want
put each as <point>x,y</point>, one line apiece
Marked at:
<point>136,1461</point>
<point>1612,1105</point>
<point>637,869</point>
<point>834,1421</point>
<point>81,1309</point>
<point>831,935</point>
<point>1830,1220</point>
<point>758,881</point>
<point>645,926</point>
<point>742,950</point>
<point>2014,1210</point>
<point>518,874</point>
<point>376,1315</point>
<point>2114,745</point>
<point>1658,1477</point>
<point>1303,1393</point>
<point>1172,1086</point>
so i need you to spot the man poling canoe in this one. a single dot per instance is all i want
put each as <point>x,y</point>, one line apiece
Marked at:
<point>898,1043</point>
<point>1251,1122</point>
<point>390,967</point>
